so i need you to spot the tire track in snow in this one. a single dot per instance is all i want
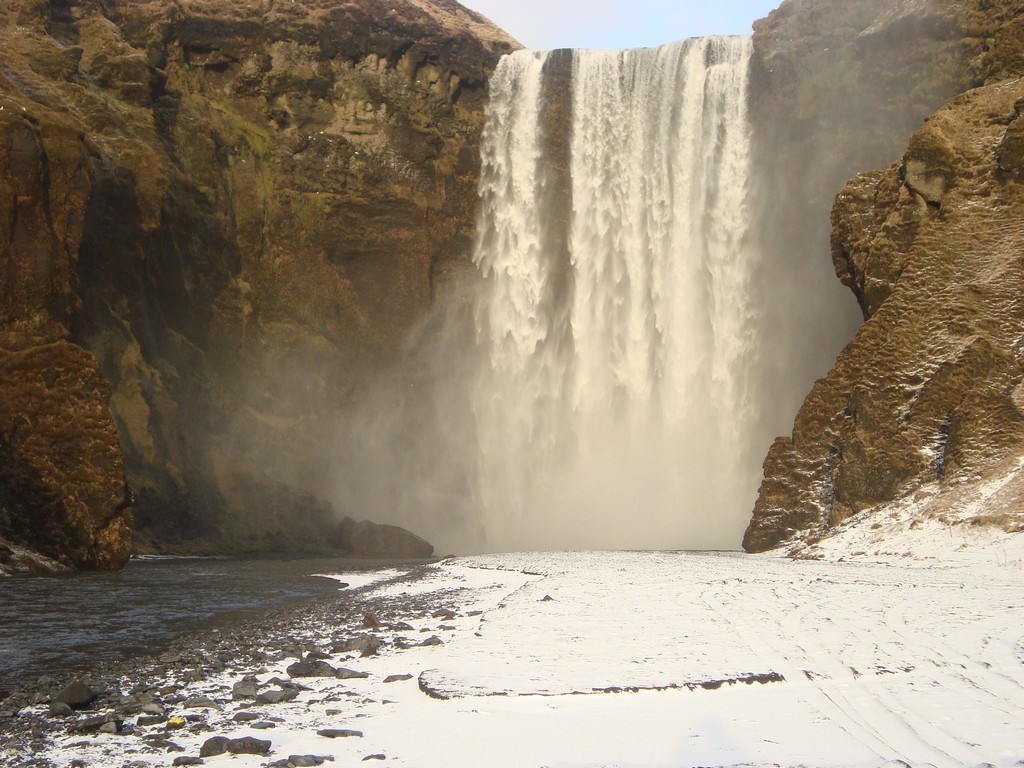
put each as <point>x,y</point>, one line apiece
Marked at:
<point>974,676</point>
<point>914,738</point>
<point>865,700</point>
<point>791,658</point>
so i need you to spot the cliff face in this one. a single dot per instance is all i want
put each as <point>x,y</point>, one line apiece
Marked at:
<point>237,209</point>
<point>928,394</point>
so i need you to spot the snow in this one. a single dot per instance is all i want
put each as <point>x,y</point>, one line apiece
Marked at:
<point>720,659</point>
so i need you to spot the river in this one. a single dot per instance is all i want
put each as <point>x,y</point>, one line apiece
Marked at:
<point>59,625</point>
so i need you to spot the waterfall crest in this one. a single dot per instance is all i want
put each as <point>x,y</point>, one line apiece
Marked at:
<point>615,328</point>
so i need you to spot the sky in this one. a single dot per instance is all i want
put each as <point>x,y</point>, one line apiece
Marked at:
<point>548,24</point>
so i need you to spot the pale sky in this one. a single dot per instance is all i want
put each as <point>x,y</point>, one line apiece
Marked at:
<point>548,24</point>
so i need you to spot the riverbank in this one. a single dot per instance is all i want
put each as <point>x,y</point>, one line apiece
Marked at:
<point>585,659</point>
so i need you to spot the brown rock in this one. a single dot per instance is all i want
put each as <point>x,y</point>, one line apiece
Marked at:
<point>239,209</point>
<point>387,541</point>
<point>61,477</point>
<point>926,393</point>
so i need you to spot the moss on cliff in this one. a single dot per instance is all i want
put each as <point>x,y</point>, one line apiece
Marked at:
<point>240,209</point>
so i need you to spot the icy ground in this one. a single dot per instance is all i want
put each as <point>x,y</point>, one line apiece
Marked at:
<point>657,659</point>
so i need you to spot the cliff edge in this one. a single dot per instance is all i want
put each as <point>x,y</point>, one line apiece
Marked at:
<point>231,212</point>
<point>926,402</point>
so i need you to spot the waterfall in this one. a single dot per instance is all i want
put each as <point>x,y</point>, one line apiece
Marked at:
<point>616,327</point>
<point>598,381</point>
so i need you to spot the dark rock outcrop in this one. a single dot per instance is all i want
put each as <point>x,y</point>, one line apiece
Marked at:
<point>238,209</point>
<point>929,390</point>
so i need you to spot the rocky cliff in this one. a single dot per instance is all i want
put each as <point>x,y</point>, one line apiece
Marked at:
<point>927,397</point>
<point>236,209</point>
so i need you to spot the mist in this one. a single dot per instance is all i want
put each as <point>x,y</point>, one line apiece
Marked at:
<point>602,378</point>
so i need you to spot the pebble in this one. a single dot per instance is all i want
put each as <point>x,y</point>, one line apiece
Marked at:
<point>304,761</point>
<point>397,678</point>
<point>216,745</point>
<point>249,745</point>
<point>277,696</point>
<point>350,674</point>
<point>311,669</point>
<point>200,702</point>
<point>61,709</point>
<point>339,733</point>
<point>244,689</point>
<point>365,645</point>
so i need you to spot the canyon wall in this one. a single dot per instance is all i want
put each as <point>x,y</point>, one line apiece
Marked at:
<point>927,396</point>
<point>232,211</point>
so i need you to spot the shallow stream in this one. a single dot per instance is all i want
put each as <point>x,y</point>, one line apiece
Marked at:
<point>53,626</point>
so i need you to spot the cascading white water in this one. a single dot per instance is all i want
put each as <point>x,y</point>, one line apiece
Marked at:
<point>611,404</point>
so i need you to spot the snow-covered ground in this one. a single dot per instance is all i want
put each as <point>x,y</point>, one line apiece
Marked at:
<point>658,659</point>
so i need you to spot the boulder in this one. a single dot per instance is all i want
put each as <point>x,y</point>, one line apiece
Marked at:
<point>76,695</point>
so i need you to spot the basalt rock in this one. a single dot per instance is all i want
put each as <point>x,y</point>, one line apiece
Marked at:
<point>239,209</point>
<point>929,392</point>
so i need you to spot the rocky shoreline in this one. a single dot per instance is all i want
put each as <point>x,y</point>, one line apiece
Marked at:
<point>186,704</point>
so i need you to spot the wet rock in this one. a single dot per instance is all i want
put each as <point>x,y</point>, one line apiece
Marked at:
<point>77,695</point>
<point>339,733</point>
<point>397,678</point>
